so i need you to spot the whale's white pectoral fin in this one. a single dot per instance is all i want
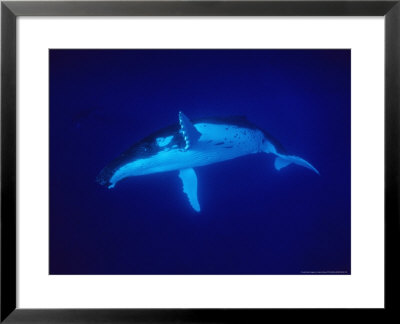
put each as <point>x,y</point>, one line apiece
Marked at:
<point>189,132</point>
<point>282,161</point>
<point>189,180</point>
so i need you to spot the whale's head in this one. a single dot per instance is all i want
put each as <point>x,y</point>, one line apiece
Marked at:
<point>137,160</point>
<point>113,172</point>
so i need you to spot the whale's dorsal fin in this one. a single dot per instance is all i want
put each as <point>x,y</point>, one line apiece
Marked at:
<point>189,132</point>
<point>189,181</point>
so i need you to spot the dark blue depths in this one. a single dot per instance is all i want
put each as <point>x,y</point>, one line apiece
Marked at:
<point>254,219</point>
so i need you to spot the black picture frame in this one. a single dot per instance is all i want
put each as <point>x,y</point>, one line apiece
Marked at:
<point>10,10</point>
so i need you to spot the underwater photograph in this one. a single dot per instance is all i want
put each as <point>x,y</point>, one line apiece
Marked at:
<point>200,162</point>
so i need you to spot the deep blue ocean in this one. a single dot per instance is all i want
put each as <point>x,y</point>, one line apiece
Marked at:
<point>254,219</point>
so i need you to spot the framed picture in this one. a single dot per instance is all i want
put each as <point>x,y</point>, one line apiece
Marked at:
<point>198,161</point>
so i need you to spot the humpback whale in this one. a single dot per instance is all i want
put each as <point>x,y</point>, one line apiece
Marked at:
<point>191,144</point>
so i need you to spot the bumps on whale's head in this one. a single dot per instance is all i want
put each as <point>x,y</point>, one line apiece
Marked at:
<point>104,176</point>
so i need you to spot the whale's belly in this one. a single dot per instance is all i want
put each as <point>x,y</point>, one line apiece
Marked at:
<point>217,143</point>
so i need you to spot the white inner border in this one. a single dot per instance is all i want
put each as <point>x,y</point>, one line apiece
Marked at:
<point>363,288</point>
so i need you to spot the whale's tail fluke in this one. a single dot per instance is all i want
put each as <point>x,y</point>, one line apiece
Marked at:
<point>282,161</point>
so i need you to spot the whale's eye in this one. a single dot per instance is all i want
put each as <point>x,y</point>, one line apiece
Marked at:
<point>146,147</point>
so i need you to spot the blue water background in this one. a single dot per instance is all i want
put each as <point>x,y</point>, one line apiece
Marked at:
<point>254,219</point>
